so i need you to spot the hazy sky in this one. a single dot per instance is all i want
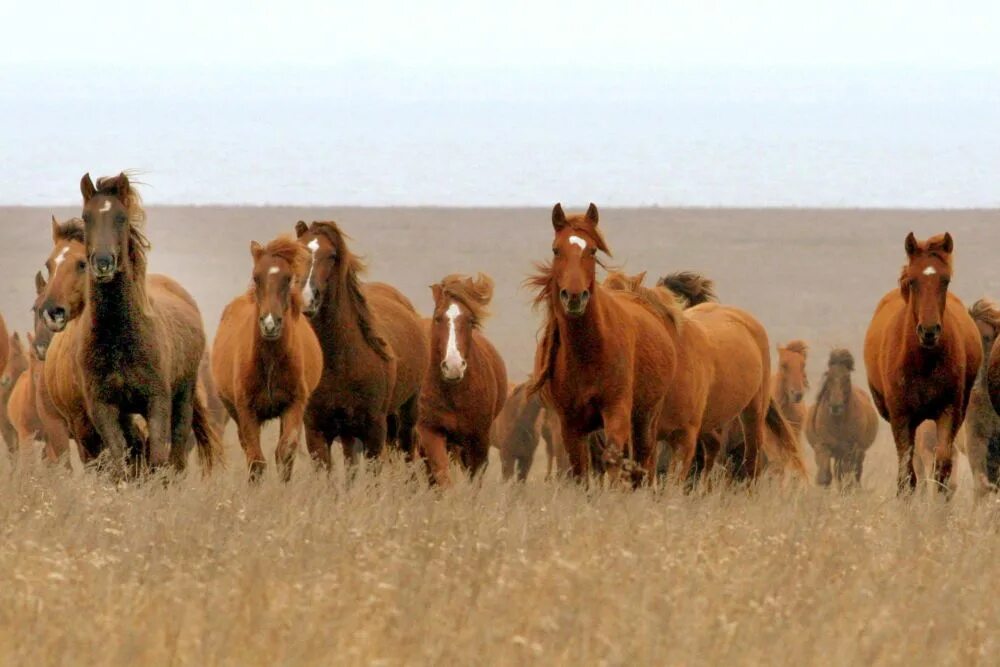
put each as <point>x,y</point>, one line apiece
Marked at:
<point>675,33</point>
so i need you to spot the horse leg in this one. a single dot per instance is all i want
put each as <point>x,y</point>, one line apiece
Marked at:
<point>944,454</point>
<point>434,447</point>
<point>288,439</point>
<point>373,435</point>
<point>317,442</point>
<point>159,422</point>
<point>617,433</point>
<point>824,476</point>
<point>248,429</point>
<point>752,419</point>
<point>106,418</point>
<point>8,431</point>
<point>683,444</point>
<point>408,413</point>
<point>577,449</point>
<point>903,431</point>
<point>859,464</point>
<point>477,452</point>
<point>645,447</point>
<point>181,418</point>
<point>976,450</point>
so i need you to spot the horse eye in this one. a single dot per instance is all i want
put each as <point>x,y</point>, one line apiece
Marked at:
<point>121,219</point>
<point>593,252</point>
<point>555,251</point>
<point>81,266</point>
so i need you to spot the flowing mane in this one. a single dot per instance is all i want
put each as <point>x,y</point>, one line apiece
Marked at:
<point>69,230</point>
<point>296,256</point>
<point>351,266</point>
<point>693,288</point>
<point>799,347</point>
<point>663,302</point>
<point>475,295</point>
<point>987,312</point>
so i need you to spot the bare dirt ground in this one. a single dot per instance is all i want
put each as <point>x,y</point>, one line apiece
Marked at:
<point>385,571</point>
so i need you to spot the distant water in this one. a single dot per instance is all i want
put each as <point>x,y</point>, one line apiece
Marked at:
<point>375,136</point>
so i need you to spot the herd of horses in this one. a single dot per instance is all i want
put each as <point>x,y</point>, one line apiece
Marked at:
<point>631,382</point>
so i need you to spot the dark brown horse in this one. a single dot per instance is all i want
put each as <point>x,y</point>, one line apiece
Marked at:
<point>922,353</point>
<point>375,351</point>
<point>465,385</point>
<point>842,425</point>
<point>982,423</point>
<point>138,344</point>
<point>605,360</point>
<point>266,360</point>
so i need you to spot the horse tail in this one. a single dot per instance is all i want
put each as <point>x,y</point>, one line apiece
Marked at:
<point>783,447</point>
<point>691,287</point>
<point>207,441</point>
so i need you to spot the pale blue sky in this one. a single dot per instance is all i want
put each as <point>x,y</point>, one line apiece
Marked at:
<point>678,34</point>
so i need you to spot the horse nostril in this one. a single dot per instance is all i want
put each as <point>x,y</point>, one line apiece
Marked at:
<point>465,364</point>
<point>564,295</point>
<point>585,294</point>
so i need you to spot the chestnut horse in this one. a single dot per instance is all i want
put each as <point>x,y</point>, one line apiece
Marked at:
<point>790,384</point>
<point>842,425</point>
<point>465,385</point>
<point>15,366</point>
<point>722,374</point>
<point>922,353</point>
<point>375,351</point>
<point>605,360</point>
<point>53,429</point>
<point>136,346</point>
<point>266,359</point>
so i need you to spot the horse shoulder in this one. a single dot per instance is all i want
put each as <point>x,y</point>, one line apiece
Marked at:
<point>498,369</point>
<point>233,342</point>
<point>311,351</point>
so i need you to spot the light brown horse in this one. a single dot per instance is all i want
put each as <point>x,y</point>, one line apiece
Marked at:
<point>721,352</point>
<point>266,359</point>
<point>138,344</point>
<point>465,385</point>
<point>605,360</point>
<point>21,406</point>
<point>375,351</point>
<point>16,364</point>
<point>53,429</point>
<point>842,425</point>
<point>790,383</point>
<point>922,353</point>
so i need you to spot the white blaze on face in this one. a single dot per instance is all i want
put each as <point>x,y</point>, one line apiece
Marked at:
<point>929,271</point>
<point>577,241</point>
<point>454,364</point>
<point>273,270</point>
<point>307,290</point>
<point>106,206</point>
<point>60,258</point>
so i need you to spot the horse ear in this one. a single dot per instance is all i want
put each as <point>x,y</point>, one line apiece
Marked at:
<point>31,340</point>
<point>592,213</point>
<point>437,291</point>
<point>55,230</point>
<point>87,188</point>
<point>256,250</point>
<point>16,338</point>
<point>301,228</point>
<point>122,188</point>
<point>638,279</point>
<point>911,244</point>
<point>39,283</point>
<point>948,244</point>
<point>558,217</point>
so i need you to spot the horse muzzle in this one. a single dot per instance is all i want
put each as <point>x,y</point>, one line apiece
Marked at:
<point>270,327</point>
<point>929,336</point>
<point>575,305</point>
<point>453,373</point>
<point>54,318</point>
<point>104,266</point>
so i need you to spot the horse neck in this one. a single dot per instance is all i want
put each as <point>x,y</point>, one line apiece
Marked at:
<point>583,337</point>
<point>338,319</point>
<point>116,305</point>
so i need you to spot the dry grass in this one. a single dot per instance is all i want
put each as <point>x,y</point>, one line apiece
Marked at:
<point>384,570</point>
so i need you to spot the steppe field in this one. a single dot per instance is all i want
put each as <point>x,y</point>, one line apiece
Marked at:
<point>384,570</point>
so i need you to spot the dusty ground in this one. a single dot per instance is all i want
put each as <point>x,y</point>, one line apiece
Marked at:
<point>383,570</point>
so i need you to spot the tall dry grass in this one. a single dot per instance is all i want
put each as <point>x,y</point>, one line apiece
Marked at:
<point>384,570</point>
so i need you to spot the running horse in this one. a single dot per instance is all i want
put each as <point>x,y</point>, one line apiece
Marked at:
<point>790,384</point>
<point>922,354</point>
<point>16,365</point>
<point>605,359</point>
<point>842,425</point>
<point>375,351</point>
<point>266,360</point>
<point>136,346</point>
<point>465,385</point>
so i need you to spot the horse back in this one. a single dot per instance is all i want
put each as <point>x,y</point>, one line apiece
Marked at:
<point>179,332</point>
